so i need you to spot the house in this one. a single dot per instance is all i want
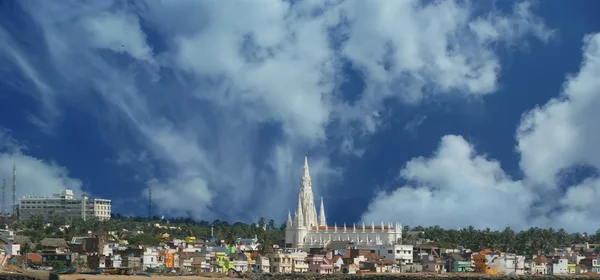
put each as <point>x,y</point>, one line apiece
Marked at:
<point>581,269</point>
<point>572,267</point>
<point>15,260</point>
<point>131,262</point>
<point>169,260</point>
<point>401,254</point>
<point>261,262</point>
<point>592,264</point>
<point>221,262</point>
<point>458,263</point>
<point>150,258</point>
<point>280,262</point>
<point>94,260</point>
<point>201,261</point>
<point>509,264</point>
<point>299,264</point>
<point>58,245</point>
<point>559,266</point>
<point>11,248</point>
<point>337,263</point>
<point>50,257</point>
<point>539,265</point>
<point>240,262</point>
<point>114,261</point>
<point>387,266</point>
<point>433,264</point>
<point>34,258</point>
<point>319,264</point>
<point>484,261</point>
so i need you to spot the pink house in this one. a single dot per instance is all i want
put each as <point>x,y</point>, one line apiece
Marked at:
<point>319,264</point>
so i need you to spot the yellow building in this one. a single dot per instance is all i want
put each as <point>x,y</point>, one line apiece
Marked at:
<point>251,261</point>
<point>280,262</point>
<point>571,267</point>
<point>481,262</point>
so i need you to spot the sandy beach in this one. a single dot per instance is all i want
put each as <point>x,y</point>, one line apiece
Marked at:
<point>108,277</point>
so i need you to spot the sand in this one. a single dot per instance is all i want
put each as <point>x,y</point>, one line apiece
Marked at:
<point>108,277</point>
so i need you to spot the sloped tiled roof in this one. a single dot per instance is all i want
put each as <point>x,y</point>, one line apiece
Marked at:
<point>34,257</point>
<point>385,262</point>
<point>372,256</point>
<point>53,242</point>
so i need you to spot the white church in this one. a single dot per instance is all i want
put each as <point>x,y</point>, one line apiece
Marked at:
<point>309,230</point>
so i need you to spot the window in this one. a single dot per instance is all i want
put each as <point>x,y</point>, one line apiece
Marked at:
<point>390,251</point>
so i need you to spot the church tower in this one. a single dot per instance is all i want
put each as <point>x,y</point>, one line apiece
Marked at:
<point>322,220</point>
<point>306,198</point>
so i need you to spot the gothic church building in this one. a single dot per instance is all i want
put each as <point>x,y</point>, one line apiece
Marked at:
<point>310,230</point>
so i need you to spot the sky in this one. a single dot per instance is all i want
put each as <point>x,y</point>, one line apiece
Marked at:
<point>450,113</point>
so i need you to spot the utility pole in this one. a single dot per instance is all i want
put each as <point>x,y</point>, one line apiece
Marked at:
<point>149,204</point>
<point>14,189</point>
<point>3,196</point>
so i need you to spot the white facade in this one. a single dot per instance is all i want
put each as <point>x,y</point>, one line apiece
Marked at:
<point>309,230</point>
<point>560,266</point>
<point>509,264</point>
<point>150,258</point>
<point>401,254</point>
<point>64,204</point>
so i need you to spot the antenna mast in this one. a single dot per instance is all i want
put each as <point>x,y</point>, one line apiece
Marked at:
<point>3,196</point>
<point>149,204</point>
<point>14,189</point>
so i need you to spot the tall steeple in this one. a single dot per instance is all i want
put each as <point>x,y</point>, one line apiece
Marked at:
<point>289,221</point>
<point>322,221</point>
<point>306,198</point>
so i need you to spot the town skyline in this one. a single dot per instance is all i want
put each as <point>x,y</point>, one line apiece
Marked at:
<point>445,112</point>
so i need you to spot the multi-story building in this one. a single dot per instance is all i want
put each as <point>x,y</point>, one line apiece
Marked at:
<point>400,254</point>
<point>65,205</point>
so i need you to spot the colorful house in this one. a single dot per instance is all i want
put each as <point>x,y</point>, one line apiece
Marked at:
<point>221,262</point>
<point>169,260</point>
<point>482,262</point>
<point>571,267</point>
<point>458,263</point>
<point>592,264</point>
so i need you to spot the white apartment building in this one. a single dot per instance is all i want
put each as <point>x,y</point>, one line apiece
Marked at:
<point>401,254</point>
<point>64,204</point>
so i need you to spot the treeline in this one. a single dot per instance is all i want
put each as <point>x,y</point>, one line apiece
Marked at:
<point>508,240</point>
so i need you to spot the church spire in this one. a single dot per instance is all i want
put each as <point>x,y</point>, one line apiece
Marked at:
<point>306,172</point>
<point>322,221</point>
<point>306,198</point>
<point>289,221</point>
<point>299,214</point>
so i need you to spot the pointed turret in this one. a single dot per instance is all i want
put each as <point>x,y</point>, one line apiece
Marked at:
<point>322,221</point>
<point>306,171</point>
<point>289,221</point>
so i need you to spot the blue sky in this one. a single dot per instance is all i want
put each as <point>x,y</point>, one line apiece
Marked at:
<point>450,113</point>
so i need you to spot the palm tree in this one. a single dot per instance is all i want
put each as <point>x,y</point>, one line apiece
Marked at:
<point>230,238</point>
<point>265,245</point>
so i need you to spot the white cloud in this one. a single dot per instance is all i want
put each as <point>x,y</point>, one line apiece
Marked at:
<point>197,82</point>
<point>34,176</point>
<point>456,187</point>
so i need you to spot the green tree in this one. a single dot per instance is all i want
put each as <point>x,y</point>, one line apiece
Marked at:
<point>144,239</point>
